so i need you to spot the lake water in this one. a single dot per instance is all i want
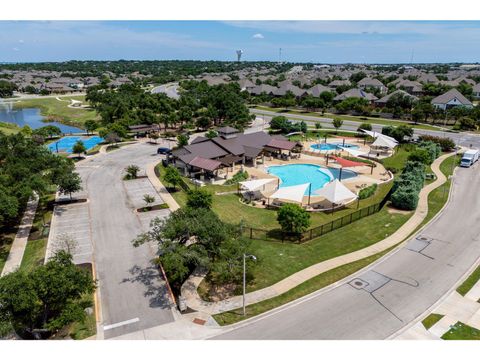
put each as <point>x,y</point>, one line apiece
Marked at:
<point>32,118</point>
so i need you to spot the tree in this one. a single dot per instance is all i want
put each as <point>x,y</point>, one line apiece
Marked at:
<point>420,155</point>
<point>199,198</point>
<point>7,88</point>
<point>318,125</point>
<point>112,138</point>
<point>399,133</point>
<point>293,219</point>
<point>364,126</point>
<point>182,140</point>
<point>37,304</point>
<point>79,148</point>
<point>91,125</point>
<point>172,176</point>
<point>48,131</point>
<point>154,136</point>
<point>149,199</point>
<point>210,134</point>
<point>26,131</point>
<point>337,124</point>
<point>132,171</point>
<point>69,182</point>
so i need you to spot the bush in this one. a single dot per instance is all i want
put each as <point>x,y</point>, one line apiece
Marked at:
<point>405,198</point>
<point>446,144</point>
<point>239,176</point>
<point>420,155</point>
<point>367,192</point>
<point>293,219</point>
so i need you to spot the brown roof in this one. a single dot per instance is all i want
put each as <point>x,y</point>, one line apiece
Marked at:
<point>230,159</point>
<point>227,130</point>
<point>199,139</point>
<point>205,164</point>
<point>206,149</point>
<point>281,144</point>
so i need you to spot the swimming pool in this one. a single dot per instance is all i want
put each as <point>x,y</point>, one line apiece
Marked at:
<point>333,146</point>
<point>66,143</point>
<point>297,174</point>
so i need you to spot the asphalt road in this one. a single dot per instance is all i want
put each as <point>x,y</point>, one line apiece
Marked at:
<point>463,139</point>
<point>170,89</point>
<point>133,294</point>
<point>390,294</point>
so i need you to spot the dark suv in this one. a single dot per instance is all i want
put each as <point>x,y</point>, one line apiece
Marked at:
<point>164,151</point>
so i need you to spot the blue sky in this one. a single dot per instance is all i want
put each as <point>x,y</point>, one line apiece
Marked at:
<point>301,41</point>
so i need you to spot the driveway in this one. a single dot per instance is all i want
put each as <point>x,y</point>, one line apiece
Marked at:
<point>387,296</point>
<point>132,293</point>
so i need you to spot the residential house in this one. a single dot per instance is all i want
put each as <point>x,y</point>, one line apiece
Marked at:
<point>476,91</point>
<point>372,83</point>
<point>355,93</point>
<point>336,83</point>
<point>451,99</point>
<point>383,101</point>
<point>411,87</point>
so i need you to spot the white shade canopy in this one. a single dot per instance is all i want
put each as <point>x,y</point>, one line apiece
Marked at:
<point>292,193</point>
<point>376,135</point>
<point>336,192</point>
<point>382,141</point>
<point>353,152</point>
<point>253,185</point>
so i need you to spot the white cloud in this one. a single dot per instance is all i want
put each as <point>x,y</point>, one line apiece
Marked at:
<point>258,36</point>
<point>16,49</point>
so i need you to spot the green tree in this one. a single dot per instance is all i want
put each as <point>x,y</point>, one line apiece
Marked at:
<point>172,176</point>
<point>79,148</point>
<point>364,126</point>
<point>41,302</point>
<point>210,134</point>
<point>182,140</point>
<point>69,182</point>
<point>318,125</point>
<point>337,124</point>
<point>91,125</point>
<point>293,219</point>
<point>199,198</point>
<point>7,88</point>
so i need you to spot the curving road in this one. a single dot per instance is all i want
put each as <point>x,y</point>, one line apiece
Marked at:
<point>392,293</point>
<point>170,89</point>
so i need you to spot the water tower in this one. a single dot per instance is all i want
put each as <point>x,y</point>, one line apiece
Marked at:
<point>239,54</point>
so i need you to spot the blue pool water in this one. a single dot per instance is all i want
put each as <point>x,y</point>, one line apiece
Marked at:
<point>333,146</point>
<point>65,144</point>
<point>297,174</point>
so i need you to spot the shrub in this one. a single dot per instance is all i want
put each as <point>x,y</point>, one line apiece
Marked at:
<point>446,144</point>
<point>405,198</point>
<point>367,192</point>
<point>199,198</point>
<point>420,155</point>
<point>293,219</point>
<point>239,176</point>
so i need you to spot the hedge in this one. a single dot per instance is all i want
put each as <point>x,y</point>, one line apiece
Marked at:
<point>408,185</point>
<point>367,192</point>
<point>446,144</point>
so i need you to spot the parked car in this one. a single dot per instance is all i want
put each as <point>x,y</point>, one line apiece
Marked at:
<point>164,151</point>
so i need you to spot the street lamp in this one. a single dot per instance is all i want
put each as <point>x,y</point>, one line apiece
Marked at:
<point>245,256</point>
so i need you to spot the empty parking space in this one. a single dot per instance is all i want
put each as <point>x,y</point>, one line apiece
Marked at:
<point>137,189</point>
<point>71,231</point>
<point>147,217</point>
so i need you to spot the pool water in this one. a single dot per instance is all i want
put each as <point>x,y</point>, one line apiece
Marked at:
<point>333,146</point>
<point>297,174</point>
<point>66,144</point>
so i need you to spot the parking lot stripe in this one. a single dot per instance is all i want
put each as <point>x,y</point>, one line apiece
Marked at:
<point>122,323</point>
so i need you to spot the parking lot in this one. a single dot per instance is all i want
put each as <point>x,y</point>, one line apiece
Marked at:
<point>136,189</point>
<point>70,231</point>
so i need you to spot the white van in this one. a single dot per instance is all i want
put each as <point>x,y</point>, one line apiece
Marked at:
<point>469,157</point>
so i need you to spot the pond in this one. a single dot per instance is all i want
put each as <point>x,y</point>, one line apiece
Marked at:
<point>32,118</point>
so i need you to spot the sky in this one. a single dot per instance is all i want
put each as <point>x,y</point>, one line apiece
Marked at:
<point>300,41</point>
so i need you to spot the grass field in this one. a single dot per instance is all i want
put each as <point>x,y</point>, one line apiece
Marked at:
<point>470,282</point>
<point>461,331</point>
<point>59,111</point>
<point>8,129</point>
<point>431,320</point>
<point>37,241</point>
<point>359,119</point>
<point>303,289</point>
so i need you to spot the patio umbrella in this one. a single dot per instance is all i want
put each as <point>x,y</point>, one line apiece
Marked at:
<point>346,163</point>
<point>253,185</point>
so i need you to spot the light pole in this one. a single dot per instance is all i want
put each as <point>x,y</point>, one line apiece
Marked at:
<point>245,276</point>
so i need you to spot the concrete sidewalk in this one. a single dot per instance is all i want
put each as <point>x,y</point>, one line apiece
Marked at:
<point>19,244</point>
<point>189,288</point>
<point>161,189</point>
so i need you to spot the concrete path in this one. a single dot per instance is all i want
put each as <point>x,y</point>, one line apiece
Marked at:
<point>189,288</point>
<point>160,188</point>
<point>19,244</point>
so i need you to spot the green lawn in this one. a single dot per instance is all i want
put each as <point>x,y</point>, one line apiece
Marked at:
<point>8,128</point>
<point>37,241</point>
<point>360,119</point>
<point>59,111</point>
<point>461,331</point>
<point>80,330</point>
<point>431,320</point>
<point>470,282</point>
<point>396,163</point>
<point>303,289</point>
